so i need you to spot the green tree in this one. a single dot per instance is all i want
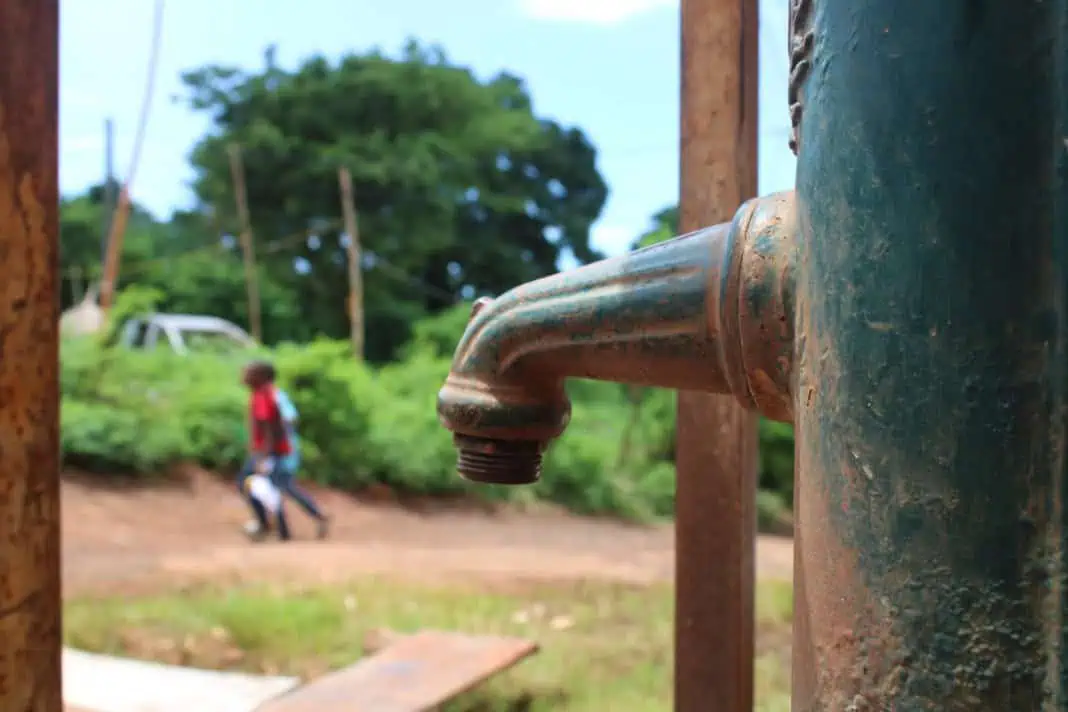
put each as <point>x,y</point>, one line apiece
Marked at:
<point>461,188</point>
<point>184,260</point>
<point>82,222</point>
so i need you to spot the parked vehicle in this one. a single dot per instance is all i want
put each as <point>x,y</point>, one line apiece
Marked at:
<point>185,333</point>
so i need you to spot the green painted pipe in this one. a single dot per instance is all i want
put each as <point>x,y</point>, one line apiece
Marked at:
<point>708,311</point>
<point>931,375</point>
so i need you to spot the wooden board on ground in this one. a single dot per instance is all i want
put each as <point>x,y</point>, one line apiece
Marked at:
<point>417,673</point>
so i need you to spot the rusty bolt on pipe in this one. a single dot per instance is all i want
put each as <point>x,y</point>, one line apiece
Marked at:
<point>709,311</point>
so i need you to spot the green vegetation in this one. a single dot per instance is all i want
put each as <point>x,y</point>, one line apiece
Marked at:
<point>139,412</point>
<point>604,646</point>
<point>462,190</point>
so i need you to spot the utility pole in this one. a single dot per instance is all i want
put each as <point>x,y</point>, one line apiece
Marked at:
<point>716,455</point>
<point>237,173</point>
<point>355,302</point>
<point>30,631</point>
<point>113,253</point>
<point>109,186</point>
<point>117,233</point>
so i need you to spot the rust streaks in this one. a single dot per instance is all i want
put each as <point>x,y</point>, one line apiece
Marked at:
<point>30,634</point>
<point>801,39</point>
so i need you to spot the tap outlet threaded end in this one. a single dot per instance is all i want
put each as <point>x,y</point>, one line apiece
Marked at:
<point>499,462</point>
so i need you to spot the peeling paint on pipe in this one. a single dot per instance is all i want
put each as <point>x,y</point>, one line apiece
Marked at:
<point>711,311</point>
<point>932,366</point>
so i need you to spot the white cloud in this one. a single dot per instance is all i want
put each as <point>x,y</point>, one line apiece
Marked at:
<point>597,12</point>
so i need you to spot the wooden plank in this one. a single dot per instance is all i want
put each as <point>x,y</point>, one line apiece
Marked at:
<point>418,673</point>
<point>716,441</point>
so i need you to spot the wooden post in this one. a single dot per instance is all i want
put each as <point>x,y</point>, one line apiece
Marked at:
<point>248,252</point>
<point>355,301</point>
<point>30,631</point>
<point>113,248</point>
<point>716,442</point>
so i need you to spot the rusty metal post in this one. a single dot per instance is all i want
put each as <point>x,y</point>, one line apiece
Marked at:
<point>716,437</point>
<point>30,632</point>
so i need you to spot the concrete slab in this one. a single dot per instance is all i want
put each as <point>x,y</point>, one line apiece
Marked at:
<point>105,684</point>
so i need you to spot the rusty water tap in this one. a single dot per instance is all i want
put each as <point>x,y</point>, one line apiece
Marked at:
<point>709,311</point>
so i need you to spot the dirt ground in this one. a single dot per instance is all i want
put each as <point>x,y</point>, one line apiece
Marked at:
<point>126,538</point>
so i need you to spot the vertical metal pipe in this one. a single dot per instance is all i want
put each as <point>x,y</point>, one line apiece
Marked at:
<point>716,447</point>
<point>932,390</point>
<point>29,384</point>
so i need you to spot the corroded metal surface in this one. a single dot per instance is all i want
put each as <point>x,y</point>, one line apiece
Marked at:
<point>674,315</point>
<point>800,36</point>
<point>765,307</point>
<point>716,440</point>
<point>417,673</point>
<point>932,371</point>
<point>29,384</point>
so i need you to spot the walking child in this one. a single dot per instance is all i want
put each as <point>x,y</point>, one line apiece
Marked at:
<point>288,475</point>
<point>268,447</point>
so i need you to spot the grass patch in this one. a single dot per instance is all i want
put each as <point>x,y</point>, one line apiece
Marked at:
<point>604,646</point>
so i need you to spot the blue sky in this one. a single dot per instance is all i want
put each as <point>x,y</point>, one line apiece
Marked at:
<point>609,66</point>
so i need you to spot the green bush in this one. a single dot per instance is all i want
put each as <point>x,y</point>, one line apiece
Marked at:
<point>134,411</point>
<point>138,412</point>
<point>335,396</point>
<point>777,459</point>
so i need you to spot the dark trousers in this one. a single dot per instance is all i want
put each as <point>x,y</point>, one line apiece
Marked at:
<point>287,483</point>
<point>278,478</point>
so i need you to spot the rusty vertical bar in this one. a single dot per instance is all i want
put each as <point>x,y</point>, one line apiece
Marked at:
<point>716,456</point>
<point>29,348</point>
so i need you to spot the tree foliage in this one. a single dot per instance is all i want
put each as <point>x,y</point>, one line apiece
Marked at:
<point>460,187</point>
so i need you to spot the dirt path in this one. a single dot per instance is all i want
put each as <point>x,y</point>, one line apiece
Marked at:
<point>126,538</point>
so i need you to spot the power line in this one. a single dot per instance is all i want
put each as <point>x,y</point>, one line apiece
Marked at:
<point>399,274</point>
<point>294,238</point>
<point>374,261</point>
<point>150,91</point>
<point>113,250</point>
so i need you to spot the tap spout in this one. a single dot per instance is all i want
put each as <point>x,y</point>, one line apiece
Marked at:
<point>709,311</point>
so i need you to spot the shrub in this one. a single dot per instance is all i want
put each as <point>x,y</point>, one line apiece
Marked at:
<point>135,411</point>
<point>138,412</point>
<point>335,396</point>
<point>777,460</point>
